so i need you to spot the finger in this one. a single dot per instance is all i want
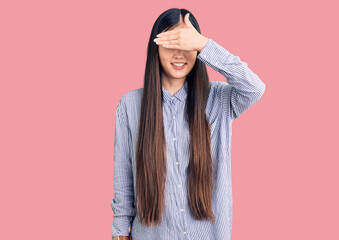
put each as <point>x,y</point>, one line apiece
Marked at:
<point>176,31</point>
<point>168,37</point>
<point>187,21</point>
<point>168,42</point>
<point>171,46</point>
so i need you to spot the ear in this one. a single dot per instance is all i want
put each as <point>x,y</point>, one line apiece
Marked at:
<point>187,21</point>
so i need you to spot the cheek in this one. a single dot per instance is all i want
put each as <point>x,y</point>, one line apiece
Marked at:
<point>163,55</point>
<point>193,55</point>
<point>192,58</point>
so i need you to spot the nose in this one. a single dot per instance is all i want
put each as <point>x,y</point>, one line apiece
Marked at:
<point>178,55</point>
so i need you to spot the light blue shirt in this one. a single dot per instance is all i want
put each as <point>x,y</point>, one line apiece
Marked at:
<point>226,102</point>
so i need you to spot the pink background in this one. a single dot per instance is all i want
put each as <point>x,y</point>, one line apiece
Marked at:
<point>65,64</point>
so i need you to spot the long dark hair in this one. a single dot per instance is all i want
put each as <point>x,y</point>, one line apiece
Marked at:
<point>151,145</point>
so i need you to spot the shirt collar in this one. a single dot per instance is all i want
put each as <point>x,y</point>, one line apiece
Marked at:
<point>181,94</point>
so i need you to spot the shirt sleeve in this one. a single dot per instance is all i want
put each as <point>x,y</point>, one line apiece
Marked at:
<point>244,87</point>
<point>123,202</point>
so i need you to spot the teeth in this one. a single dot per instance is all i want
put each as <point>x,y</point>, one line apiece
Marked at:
<point>178,64</point>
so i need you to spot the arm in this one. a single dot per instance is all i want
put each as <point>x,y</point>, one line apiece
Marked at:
<point>123,202</point>
<point>244,87</point>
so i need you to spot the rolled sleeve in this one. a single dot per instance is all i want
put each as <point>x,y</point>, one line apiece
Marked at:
<point>243,87</point>
<point>123,202</point>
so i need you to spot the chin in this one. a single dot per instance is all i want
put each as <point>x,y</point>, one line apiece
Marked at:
<point>180,75</point>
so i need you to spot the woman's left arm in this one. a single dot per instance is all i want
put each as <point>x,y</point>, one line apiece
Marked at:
<point>244,87</point>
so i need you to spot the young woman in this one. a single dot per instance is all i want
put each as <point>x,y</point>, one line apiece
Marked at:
<point>172,147</point>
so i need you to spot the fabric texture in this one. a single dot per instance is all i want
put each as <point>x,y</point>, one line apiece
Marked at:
<point>226,102</point>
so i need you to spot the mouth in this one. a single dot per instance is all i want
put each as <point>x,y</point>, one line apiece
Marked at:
<point>178,66</point>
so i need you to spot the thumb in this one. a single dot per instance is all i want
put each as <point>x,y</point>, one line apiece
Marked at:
<point>187,21</point>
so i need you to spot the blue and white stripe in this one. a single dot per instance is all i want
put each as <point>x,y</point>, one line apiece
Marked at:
<point>226,102</point>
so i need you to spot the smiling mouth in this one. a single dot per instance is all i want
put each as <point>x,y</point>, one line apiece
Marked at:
<point>179,67</point>
<point>178,64</point>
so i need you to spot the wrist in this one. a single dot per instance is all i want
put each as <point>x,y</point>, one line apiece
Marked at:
<point>203,43</point>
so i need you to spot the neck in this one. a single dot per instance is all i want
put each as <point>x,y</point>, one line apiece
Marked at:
<point>173,86</point>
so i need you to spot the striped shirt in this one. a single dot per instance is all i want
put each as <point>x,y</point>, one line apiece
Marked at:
<point>226,102</point>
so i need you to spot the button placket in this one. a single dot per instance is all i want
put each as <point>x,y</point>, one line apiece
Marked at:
<point>173,112</point>
<point>174,105</point>
<point>175,125</point>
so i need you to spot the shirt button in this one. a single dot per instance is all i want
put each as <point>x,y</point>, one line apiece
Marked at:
<point>176,163</point>
<point>173,117</point>
<point>185,232</point>
<point>174,139</point>
<point>172,98</point>
<point>181,210</point>
<point>179,185</point>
